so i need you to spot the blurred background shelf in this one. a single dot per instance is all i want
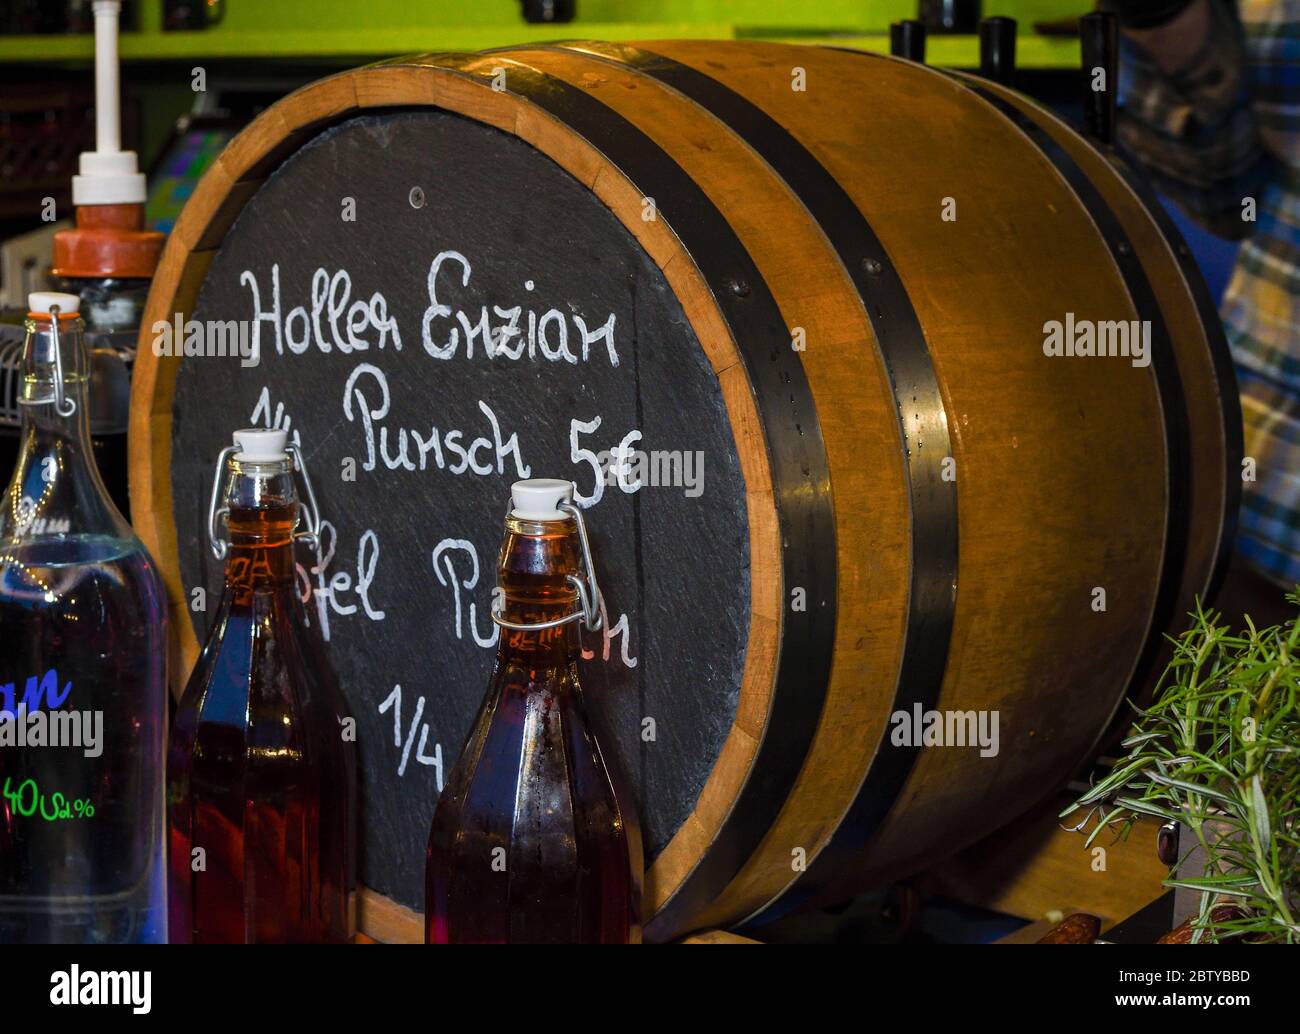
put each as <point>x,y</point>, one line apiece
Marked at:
<point>345,31</point>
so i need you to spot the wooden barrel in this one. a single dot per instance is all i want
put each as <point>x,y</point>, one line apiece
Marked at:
<point>833,278</point>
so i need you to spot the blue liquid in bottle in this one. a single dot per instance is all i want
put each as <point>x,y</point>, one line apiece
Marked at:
<point>82,678</point>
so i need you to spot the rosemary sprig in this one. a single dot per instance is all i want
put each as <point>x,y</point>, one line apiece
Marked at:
<point>1218,750</point>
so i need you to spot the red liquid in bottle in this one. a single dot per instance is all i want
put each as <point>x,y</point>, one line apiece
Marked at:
<point>530,842</point>
<point>260,774</point>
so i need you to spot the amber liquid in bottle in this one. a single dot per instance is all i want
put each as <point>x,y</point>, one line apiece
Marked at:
<point>530,842</point>
<point>260,775</point>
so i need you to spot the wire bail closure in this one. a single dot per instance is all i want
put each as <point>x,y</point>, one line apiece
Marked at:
<point>63,405</point>
<point>308,512</point>
<point>591,610</point>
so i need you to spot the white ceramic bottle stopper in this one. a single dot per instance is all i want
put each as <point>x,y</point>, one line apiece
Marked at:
<point>539,499</point>
<point>261,446</point>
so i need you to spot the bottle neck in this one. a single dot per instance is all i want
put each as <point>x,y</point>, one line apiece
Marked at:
<point>262,512</point>
<point>56,487</point>
<point>537,558</point>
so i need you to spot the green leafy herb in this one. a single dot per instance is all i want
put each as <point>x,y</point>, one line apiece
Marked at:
<point>1218,750</point>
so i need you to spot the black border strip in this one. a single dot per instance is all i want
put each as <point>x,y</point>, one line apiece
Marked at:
<point>1164,362</point>
<point>922,421</point>
<point>796,449</point>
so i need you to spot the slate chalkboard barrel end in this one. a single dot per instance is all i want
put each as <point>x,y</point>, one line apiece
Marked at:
<point>910,501</point>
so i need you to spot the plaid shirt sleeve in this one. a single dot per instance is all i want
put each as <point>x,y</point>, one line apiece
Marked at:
<point>1194,130</point>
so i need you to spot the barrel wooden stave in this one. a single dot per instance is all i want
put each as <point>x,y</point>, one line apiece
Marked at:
<point>1029,540</point>
<point>1210,409</point>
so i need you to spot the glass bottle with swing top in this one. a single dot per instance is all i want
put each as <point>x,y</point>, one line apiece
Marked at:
<point>261,767</point>
<point>532,841</point>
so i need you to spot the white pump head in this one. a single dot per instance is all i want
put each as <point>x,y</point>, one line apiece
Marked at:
<point>539,499</point>
<point>42,301</point>
<point>257,445</point>
<point>109,175</point>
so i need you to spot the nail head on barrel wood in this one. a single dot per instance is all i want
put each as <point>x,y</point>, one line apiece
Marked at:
<point>1167,844</point>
